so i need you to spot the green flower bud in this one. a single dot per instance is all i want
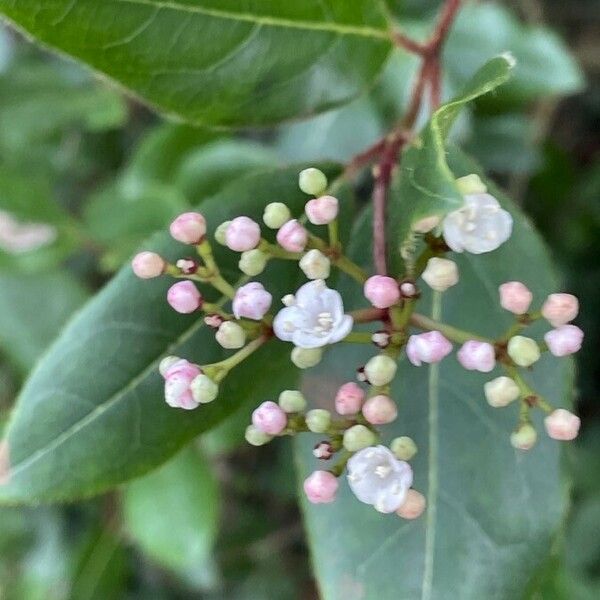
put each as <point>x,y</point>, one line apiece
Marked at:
<point>252,262</point>
<point>204,389</point>
<point>315,265</point>
<point>358,437</point>
<point>256,437</point>
<point>312,181</point>
<point>524,438</point>
<point>471,184</point>
<point>318,420</point>
<point>501,391</point>
<point>523,350</point>
<point>403,447</point>
<point>220,233</point>
<point>276,214</point>
<point>292,401</point>
<point>304,358</point>
<point>230,335</point>
<point>380,370</point>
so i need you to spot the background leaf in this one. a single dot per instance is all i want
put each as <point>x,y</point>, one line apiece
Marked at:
<point>492,511</point>
<point>220,63</point>
<point>76,432</point>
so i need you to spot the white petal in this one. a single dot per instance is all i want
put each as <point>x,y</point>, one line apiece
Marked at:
<point>309,293</point>
<point>342,330</point>
<point>290,314</point>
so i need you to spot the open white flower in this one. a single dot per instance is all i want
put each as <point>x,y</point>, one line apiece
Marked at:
<point>316,317</point>
<point>481,225</point>
<point>377,477</point>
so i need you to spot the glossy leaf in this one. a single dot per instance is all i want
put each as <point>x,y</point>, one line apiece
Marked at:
<point>220,62</point>
<point>93,415</point>
<point>173,514</point>
<point>25,330</point>
<point>492,511</point>
<point>426,178</point>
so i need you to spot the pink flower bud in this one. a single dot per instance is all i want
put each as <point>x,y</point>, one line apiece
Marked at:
<point>147,265</point>
<point>242,234</point>
<point>320,487</point>
<point>252,301</point>
<point>321,211</point>
<point>292,236</point>
<point>381,291</point>
<point>269,418</point>
<point>562,425</point>
<point>184,297</point>
<point>188,228</point>
<point>564,340</point>
<point>430,347</point>
<point>559,309</point>
<point>413,506</point>
<point>477,356</point>
<point>515,297</point>
<point>349,399</point>
<point>178,379</point>
<point>380,410</point>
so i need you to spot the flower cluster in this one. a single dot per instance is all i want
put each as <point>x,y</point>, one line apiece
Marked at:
<point>313,318</point>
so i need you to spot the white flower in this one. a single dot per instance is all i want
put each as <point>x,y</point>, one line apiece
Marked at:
<point>18,237</point>
<point>315,319</point>
<point>481,225</point>
<point>377,477</point>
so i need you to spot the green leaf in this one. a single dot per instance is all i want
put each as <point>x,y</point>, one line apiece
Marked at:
<point>25,330</point>
<point>173,513</point>
<point>426,178</point>
<point>92,414</point>
<point>220,62</point>
<point>492,511</point>
<point>35,232</point>
<point>545,65</point>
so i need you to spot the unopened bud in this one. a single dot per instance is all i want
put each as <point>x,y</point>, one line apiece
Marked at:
<point>184,297</point>
<point>523,350</point>
<point>315,265</point>
<point>305,358</point>
<point>524,438</point>
<point>252,262</point>
<point>318,420</point>
<point>231,336</point>
<point>292,401</point>
<point>562,425</point>
<point>413,506</point>
<point>188,228</point>
<point>380,370</point>
<point>269,418</point>
<point>380,410</point>
<point>404,448</point>
<point>426,224</point>
<point>312,181</point>
<point>147,265</point>
<point>242,234</point>
<point>471,184</point>
<point>220,233</point>
<point>358,437</point>
<point>560,309</point>
<point>276,215</point>
<point>255,437</point>
<point>501,391</point>
<point>440,274</point>
<point>408,290</point>
<point>322,210</point>
<point>204,389</point>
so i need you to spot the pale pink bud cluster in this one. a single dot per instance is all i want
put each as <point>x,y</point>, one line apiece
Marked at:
<point>430,347</point>
<point>477,356</point>
<point>380,410</point>
<point>564,340</point>
<point>251,301</point>
<point>381,291</point>
<point>320,487</point>
<point>349,399</point>
<point>188,228</point>
<point>562,425</point>
<point>515,297</point>
<point>560,309</point>
<point>269,418</point>
<point>292,236</point>
<point>242,234</point>
<point>323,210</point>
<point>179,374</point>
<point>147,265</point>
<point>184,297</point>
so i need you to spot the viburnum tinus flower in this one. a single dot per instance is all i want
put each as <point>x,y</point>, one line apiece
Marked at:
<point>481,225</point>
<point>315,319</point>
<point>377,477</point>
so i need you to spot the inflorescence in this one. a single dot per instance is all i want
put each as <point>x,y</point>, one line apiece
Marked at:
<point>314,317</point>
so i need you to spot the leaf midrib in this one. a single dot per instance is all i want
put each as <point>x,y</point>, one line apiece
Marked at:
<point>268,21</point>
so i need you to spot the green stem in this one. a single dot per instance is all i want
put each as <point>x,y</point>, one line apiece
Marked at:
<point>222,368</point>
<point>452,333</point>
<point>526,390</point>
<point>358,337</point>
<point>334,240</point>
<point>275,251</point>
<point>339,468</point>
<point>222,286</point>
<point>368,315</point>
<point>344,264</point>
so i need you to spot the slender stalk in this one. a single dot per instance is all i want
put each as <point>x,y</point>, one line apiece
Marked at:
<point>368,315</point>
<point>343,263</point>
<point>222,368</point>
<point>359,337</point>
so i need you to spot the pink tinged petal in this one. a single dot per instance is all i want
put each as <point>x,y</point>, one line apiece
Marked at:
<point>564,340</point>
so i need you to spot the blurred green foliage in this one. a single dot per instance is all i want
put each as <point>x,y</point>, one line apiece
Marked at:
<point>105,174</point>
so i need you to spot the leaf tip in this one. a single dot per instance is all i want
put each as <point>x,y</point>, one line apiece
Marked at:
<point>509,58</point>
